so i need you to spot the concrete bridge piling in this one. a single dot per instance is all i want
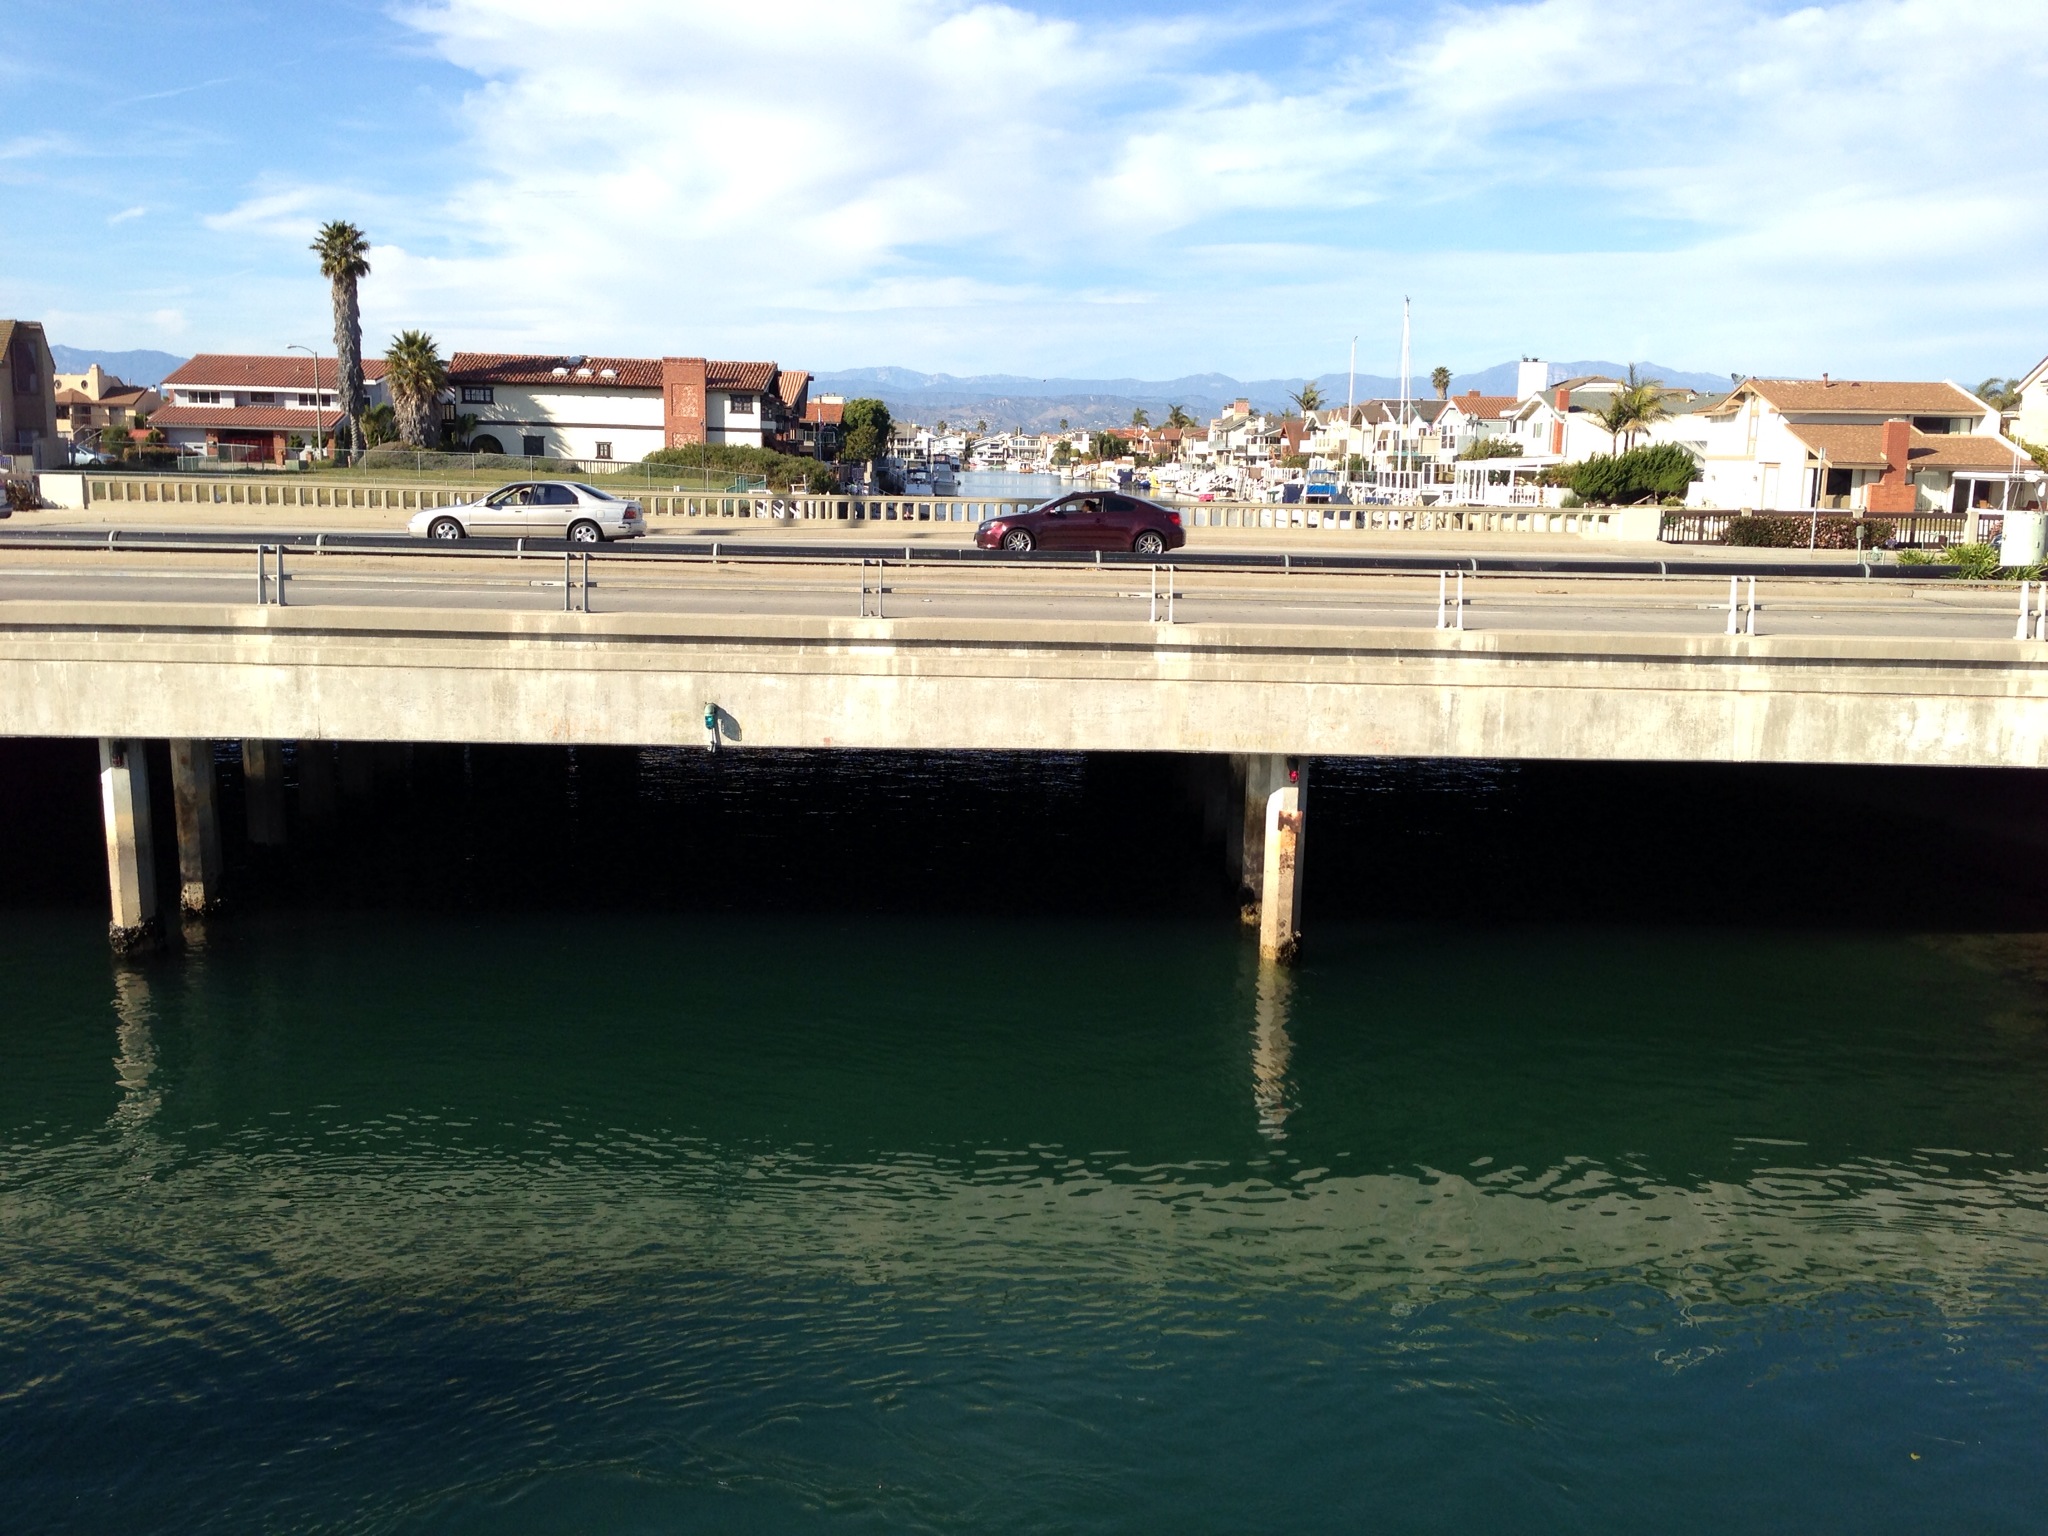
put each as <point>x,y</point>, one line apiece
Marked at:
<point>263,795</point>
<point>131,856</point>
<point>199,857</point>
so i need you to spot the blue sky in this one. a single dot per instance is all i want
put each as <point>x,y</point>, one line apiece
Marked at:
<point>1146,190</point>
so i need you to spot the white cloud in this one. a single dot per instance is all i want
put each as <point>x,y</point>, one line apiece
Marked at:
<point>970,186</point>
<point>128,213</point>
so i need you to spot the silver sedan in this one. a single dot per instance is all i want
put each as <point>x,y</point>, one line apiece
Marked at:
<point>543,509</point>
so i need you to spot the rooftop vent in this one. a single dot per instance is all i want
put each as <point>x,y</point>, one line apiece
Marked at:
<point>561,373</point>
<point>576,360</point>
<point>582,373</point>
<point>607,373</point>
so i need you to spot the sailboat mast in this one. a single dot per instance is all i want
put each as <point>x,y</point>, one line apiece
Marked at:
<point>1404,361</point>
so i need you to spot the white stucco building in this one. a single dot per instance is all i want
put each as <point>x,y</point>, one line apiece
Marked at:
<point>622,408</point>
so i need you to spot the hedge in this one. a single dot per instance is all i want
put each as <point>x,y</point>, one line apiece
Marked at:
<point>782,469</point>
<point>1793,532</point>
<point>1642,474</point>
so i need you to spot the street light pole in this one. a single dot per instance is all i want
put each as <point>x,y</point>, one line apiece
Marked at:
<point>318,428</point>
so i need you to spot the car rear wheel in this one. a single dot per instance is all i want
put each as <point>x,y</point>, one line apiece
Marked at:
<point>584,531</point>
<point>1150,542</point>
<point>444,528</point>
<point>1017,542</point>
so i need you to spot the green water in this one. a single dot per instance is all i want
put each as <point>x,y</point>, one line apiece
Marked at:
<point>641,1222</point>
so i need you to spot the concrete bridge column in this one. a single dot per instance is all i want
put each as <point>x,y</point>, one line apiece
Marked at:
<point>131,857</point>
<point>199,861</point>
<point>263,792</point>
<point>1260,774</point>
<point>1280,897</point>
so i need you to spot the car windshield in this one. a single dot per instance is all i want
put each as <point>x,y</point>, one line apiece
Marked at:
<point>593,491</point>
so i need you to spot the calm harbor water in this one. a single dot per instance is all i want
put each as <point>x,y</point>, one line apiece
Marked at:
<point>951,1201</point>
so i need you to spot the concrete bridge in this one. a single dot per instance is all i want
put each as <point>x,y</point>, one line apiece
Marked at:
<point>1250,695</point>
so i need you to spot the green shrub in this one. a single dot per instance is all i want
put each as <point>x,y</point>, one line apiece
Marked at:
<point>1641,474</point>
<point>1920,557</point>
<point>1974,562</point>
<point>1793,532</point>
<point>781,469</point>
<point>1492,448</point>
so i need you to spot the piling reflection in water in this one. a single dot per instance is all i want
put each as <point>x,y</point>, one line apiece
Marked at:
<point>1270,1050</point>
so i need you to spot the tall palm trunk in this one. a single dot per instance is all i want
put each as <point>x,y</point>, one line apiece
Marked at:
<point>348,354</point>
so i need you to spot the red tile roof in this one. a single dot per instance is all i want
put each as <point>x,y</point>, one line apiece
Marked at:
<point>1485,407</point>
<point>790,385</point>
<point>751,377</point>
<point>236,370</point>
<point>536,368</point>
<point>830,413</point>
<point>258,418</point>
<point>627,372</point>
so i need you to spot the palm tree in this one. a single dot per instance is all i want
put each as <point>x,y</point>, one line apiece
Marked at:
<point>1178,417</point>
<point>1641,405</point>
<point>1309,397</point>
<point>415,375</point>
<point>344,253</point>
<point>1615,420</point>
<point>1999,394</point>
<point>1440,381</point>
<point>1141,417</point>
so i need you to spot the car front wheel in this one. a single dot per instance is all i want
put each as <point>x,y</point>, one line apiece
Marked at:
<point>584,532</point>
<point>444,528</point>
<point>1017,542</point>
<point>1149,543</point>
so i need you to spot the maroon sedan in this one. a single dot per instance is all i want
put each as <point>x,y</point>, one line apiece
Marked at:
<point>1087,520</point>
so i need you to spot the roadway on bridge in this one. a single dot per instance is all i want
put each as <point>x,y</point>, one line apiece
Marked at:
<point>424,579</point>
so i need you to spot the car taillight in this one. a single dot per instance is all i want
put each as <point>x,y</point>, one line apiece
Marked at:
<point>1173,518</point>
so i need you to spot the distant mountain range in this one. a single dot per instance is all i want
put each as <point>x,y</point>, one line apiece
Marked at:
<point>141,367</point>
<point>1006,400</point>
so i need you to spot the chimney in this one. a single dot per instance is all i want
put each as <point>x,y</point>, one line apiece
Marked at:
<point>1894,492</point>
<point>1898,445</point>
<point>682,401</point>
<point>1825,382</point>
<point>1564,400</point>
<point>1531,376</point>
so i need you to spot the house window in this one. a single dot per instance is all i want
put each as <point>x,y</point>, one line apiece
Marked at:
<point>739,405</point>
<point>604,450</point>
<point>478,394</point>
<point>309,399</point>
<point>263,397</point>
<point>534,447</point>
<point>202,397</point>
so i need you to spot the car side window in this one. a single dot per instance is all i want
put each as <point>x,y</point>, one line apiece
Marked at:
<point>510,496</point>
<point>1122,504</point>
<point>1088,505</point>
<point>556,496</point>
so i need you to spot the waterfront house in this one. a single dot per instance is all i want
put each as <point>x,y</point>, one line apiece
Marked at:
<point>1854,444</point>
<point>251,407</point>
<point>96,402</point>
<point>2030,422</point>
<point>28,398</point>
<point>575,406</point>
